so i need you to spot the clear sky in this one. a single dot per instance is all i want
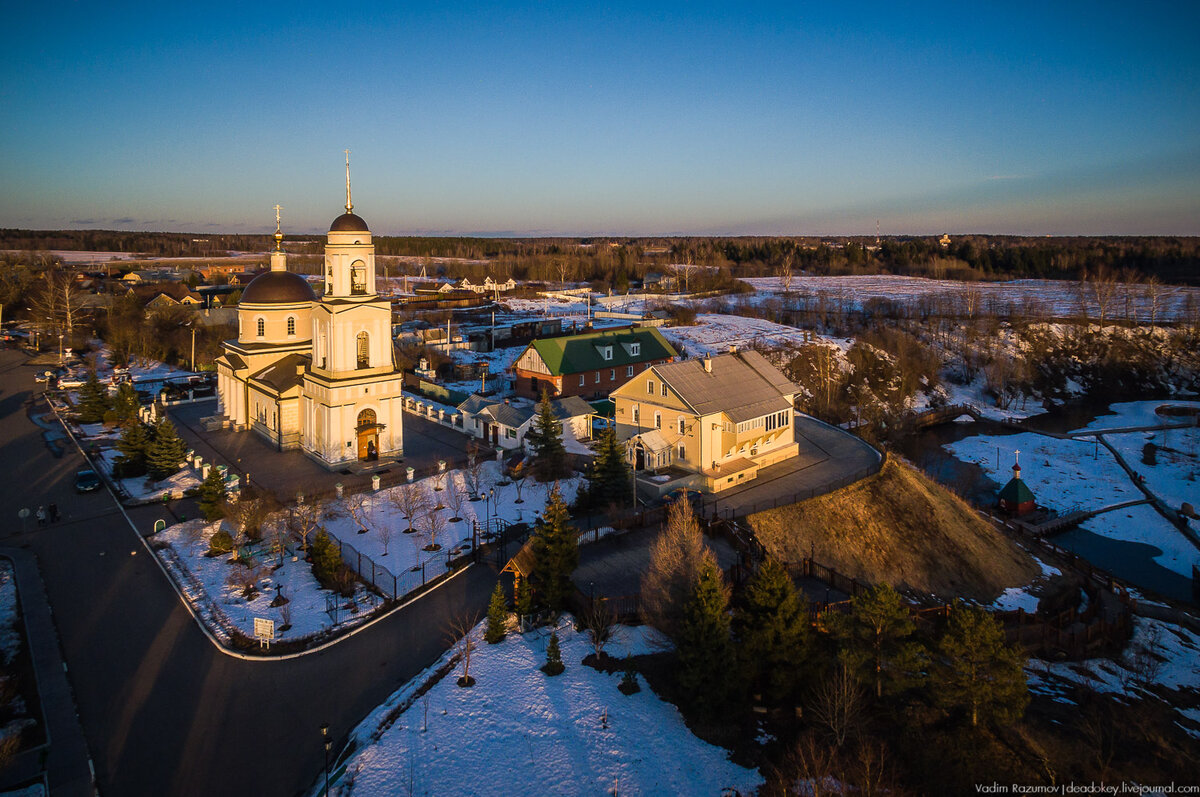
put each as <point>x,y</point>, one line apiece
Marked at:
<point>615,118</point>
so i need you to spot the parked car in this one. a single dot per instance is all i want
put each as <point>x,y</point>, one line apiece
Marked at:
<point>87,481</point>
<point>71,381</point>
<point>45,376</point>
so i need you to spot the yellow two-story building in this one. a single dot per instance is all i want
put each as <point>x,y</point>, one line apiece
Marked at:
<point>708,423</point>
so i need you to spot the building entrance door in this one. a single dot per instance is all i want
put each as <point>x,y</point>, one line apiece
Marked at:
<point>367,431</point>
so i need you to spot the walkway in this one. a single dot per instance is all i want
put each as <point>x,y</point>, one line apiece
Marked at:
<point>163,711</point>
<point>66,762</point>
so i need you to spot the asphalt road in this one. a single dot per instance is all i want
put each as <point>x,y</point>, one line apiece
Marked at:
<point>164,712</point>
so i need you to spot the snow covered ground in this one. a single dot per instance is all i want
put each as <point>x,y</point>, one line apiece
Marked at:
<point>142,489</point>
<point>379,511</point>
<point>714,333</point>
<point>1057,298</point>
<point>1069,475</point>
<point>1026,597</point>
<point>10,639</point>
<point>205,581</point>
<point>535,735</point>
<point>1160,654</point>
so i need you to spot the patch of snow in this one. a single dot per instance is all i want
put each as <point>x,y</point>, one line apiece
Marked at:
<point>10,639</point>
<point>572,734</point>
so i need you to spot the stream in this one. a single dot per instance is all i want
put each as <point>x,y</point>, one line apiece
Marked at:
<point>1131,561</point>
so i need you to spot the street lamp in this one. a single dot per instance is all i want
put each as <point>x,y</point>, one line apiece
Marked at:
<point>60,348</point>
<point>328,744</point>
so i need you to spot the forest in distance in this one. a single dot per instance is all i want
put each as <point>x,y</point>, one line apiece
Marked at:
<point>1168,259</point>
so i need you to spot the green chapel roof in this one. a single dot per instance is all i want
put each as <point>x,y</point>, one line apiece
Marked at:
<point>1016,492</point>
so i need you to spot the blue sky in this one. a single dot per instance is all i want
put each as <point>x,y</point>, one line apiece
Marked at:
<point>633,119</point>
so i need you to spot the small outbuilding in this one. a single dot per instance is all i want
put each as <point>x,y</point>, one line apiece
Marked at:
<point>1016,498</point>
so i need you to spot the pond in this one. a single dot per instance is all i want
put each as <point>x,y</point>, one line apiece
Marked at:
<point>1131,561</point>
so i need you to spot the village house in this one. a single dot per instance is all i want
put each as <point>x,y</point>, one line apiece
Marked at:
<point>591,365</point>
<point>707,424</point>
<point>505,423</point>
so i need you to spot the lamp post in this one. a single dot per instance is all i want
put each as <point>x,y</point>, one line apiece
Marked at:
<point>193,361</point>
<point>60,348</point>
<point>328,743</point>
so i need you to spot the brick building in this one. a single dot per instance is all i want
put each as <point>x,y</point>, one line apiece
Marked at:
<point>591,365</point>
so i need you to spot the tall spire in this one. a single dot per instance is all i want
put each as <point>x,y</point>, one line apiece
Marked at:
<point>278,231</point>
<point>349,204</point>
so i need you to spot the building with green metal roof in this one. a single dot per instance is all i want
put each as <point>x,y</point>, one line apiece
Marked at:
<point>1015,497</point>
<point>591,365</point>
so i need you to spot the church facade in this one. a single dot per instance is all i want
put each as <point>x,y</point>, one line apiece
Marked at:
<point>317,375</point>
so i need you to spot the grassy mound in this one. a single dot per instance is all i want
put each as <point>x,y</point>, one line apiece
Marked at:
<point>901,528</point>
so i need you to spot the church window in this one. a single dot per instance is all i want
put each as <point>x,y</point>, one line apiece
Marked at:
<point>364,350</point>
<point>358,278</point>
<point>262,328</point>
<point>291,325</point>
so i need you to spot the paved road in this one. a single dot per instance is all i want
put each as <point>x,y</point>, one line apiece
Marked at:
<point>163,711</point>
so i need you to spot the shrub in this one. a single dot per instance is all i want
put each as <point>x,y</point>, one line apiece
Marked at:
<point>554,663</point>
<point>220,542</point>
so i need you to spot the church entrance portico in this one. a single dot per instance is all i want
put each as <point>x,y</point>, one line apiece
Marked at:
<point>367,430</point>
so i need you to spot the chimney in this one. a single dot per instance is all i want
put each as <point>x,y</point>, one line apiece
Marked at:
<point>707,364</point>
<point>732,348</point>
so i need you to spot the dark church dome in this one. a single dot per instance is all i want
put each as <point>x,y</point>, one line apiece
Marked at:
<point>278,287</point>
<point>348,222</point>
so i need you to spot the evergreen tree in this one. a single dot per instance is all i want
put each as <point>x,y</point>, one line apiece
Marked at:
<point>556,553</point>
<point>977,672</point>
<point>772,627</point>
<point>166,450</point>
<point>497,616</point>
<point>876,644</point>
<point>704,648</point>
<point>326,559</point>
<point>133,445</point>
<point>212,495</point>
<point>629,682</point>
<point>554,663</point>
<point>545,438</point>
<point>93,400</point>
<point>610,479</point>
<point>126,404</point>
<point>524,605</point>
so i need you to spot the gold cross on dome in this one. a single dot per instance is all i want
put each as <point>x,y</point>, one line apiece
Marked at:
<point>277,209</point>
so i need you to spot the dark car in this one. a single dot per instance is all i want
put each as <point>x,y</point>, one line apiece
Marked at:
<point>86,481</point>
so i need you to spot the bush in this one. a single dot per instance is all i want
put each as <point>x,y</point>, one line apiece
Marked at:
<point>221,542</point>
<point>326,560</point>
<point>629,682</point>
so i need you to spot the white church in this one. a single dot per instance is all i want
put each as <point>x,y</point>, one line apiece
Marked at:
<point>317,375</point>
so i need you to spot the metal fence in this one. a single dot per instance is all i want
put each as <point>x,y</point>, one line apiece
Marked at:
<point>395,585</point>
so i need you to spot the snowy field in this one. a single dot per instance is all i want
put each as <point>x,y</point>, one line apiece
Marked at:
<point>1069,475</point>
<point>1175,478</point>
<point>572,734</point>
<point>714,333</point>
<point>205,581</point>
<point>1056,298</point>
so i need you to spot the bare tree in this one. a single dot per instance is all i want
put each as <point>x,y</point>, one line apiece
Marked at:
<point>518,480</point>
<point>838,704</point>
<point>305,518</point>
<point>409,500</point>
<point>455,500</point>
<point>461,637</point>
<point>474,473</point>
<point>435,524</point>
<point>1152,293</point>
<point>1102,288</point>
<point>785,272</point>
<point>358,505</point>
<point>385,532</point>
<point>598,621</point>
<point>676,560</point>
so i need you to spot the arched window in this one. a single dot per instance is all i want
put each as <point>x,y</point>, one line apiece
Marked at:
<point>262,328</point>
<point>364,350</point>
<point>366,419</point>
<point>291,325</point>
<point>358,278</point>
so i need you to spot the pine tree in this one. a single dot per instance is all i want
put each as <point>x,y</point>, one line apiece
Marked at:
<point>610,479</point>
<point>977,672</point>
<point>554,663</point>
<point>524,605</point>
<point>545,438</point>
<point>125,404</point>
<point>772,627</point>
<point>93,400</point>
<point>212,495</point>
<point>497,616</point>
<point>876,644</point>
<point>556,553</point>
<point>326,559</point>
<point>704,648</point>
<point>166,450</point>
<point>133,445</point>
